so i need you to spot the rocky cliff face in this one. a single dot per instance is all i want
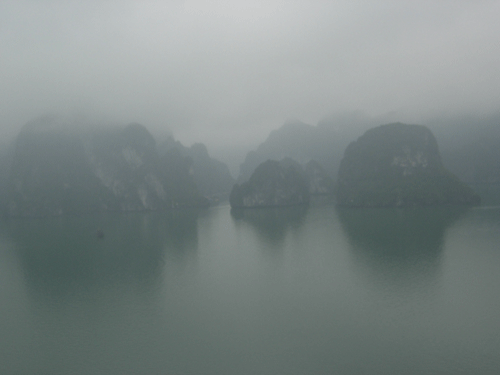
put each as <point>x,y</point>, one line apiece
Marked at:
<point>398,165</point>
<point>57,170</point>
<point>272,184</point>
<point>212,177</point>
<point>318,180</point>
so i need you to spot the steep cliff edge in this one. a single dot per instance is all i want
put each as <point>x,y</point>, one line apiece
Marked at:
<point>398,165</point>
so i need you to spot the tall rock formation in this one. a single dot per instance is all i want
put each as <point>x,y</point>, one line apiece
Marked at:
<point>398,165</point>
<point>58,169</point>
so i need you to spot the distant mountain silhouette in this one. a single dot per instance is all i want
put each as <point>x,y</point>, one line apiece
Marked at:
<point>211,176</point>
<point>324,143</point>
<point>272,184</point>
<point>470,149</point>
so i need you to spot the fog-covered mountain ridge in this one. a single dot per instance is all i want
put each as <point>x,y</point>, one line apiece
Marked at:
<point>58,166</point>
<point>59,169</point>
<point>211,176</point>
<point>468,145</point>
<point>324,142</point>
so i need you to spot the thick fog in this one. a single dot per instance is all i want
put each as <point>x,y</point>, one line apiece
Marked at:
<point>227,72</point>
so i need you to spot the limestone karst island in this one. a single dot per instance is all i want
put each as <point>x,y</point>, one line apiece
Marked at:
<point>57,169</point>
<point>398,165</point>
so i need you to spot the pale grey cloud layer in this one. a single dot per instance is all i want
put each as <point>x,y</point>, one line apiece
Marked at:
<point>222,71</point>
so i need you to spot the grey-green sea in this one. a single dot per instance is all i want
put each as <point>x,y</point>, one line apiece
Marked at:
<point>298,290</point>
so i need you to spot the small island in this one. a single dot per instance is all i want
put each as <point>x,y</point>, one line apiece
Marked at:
<point>272,184</point>
<point>398,165</point>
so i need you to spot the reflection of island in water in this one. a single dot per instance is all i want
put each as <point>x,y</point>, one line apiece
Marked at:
<point>64,256</point>
<point>271,223</point>
<point>400,246</point>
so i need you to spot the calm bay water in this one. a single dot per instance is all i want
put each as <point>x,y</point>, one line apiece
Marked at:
<point>321,290</point>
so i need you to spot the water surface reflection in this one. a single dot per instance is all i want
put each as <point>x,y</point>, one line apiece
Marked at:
<point>271,224</point>
<point>63,257</point>
<point>402,247</point>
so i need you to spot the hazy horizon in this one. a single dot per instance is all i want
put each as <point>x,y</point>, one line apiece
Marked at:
<point>226,73</point>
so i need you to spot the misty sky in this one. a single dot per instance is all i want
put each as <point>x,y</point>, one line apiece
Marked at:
<point>221,71</point>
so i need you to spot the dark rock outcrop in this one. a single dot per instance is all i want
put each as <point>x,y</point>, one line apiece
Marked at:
<point>398,165</point>
<point>272,184</point>
<point>57,169</point>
